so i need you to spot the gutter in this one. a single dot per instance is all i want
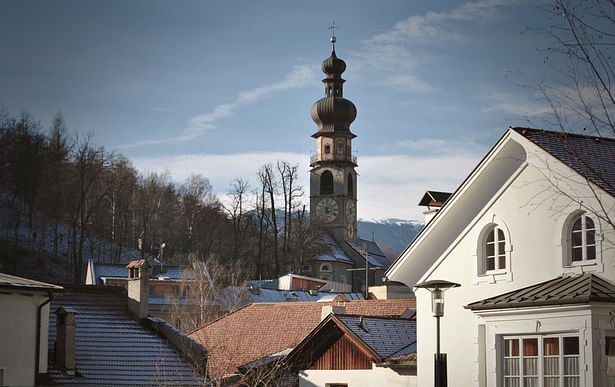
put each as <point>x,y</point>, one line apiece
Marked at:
<point>38,338</point>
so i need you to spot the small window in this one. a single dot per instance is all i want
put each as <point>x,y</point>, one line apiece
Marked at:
<point>306,268</point>
<point>350,186</point>
<point>325,267</point>
<point>583,240</point>
<point>495,250</point>
<point>326,183</point>
<point>327,149</point>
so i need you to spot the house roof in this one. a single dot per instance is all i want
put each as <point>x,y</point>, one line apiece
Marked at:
<point>111,346</point>
<point>120,271</point>
<point>332,252</point>
<point>388,337</point>
<point>375,256</point>
<point>569,289</point>
<point>11,281</point>
<point>434,198</point>
<point>261,329</point>
<point>590,156</point>
<point>233,293</point>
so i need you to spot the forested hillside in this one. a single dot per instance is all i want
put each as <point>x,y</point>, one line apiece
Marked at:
<point>64,200</point>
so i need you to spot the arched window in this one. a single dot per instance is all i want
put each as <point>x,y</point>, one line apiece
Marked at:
<point>350,186</point>
<point>325,267</point>
<point>326,183</point>
<point>583,239</point>
<point>495,250</point>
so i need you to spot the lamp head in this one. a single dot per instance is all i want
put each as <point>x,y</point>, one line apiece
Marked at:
<point>437,288</point>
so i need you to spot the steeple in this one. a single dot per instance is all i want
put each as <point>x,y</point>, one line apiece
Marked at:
<point>333,176</point>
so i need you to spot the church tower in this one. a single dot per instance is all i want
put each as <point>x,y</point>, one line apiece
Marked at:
<point>333,179</point>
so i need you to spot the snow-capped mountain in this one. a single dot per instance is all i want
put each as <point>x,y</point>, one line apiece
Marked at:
<point>393,235</point>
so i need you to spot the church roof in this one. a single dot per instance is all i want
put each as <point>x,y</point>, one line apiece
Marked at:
<point>375,255</point>
<point>564,290</point>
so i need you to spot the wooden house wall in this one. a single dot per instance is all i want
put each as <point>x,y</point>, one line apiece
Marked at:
<point>304,284</point>
<point>343,355</point>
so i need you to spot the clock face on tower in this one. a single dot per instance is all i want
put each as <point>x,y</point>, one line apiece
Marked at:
<point>327,210</point>
<point>350,211</point>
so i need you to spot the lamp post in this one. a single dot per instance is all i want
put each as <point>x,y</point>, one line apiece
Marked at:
<point>437,289</point>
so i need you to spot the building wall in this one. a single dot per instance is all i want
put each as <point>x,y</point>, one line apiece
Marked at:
<point>377,376</point>
<point>534,212</point>
<point>18,327</point>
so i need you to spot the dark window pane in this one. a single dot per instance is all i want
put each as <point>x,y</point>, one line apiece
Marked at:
<point>577,239</point>
<point>502,262</point>
<point>591,252</point>
<point>591,237</point>
<point>490,249</point>
<point>512,347</point>
<point>577,254</point>
<point>571,345</point>
<point>500,235</point>
<point>501,247</point>
<point>326,183</point>
<point>577,225</point>
<point>589,224</point>
<point>490,264</point>
<point>490,237</point>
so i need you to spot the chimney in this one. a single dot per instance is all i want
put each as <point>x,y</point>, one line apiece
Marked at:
<point>332,309</point>
<point>138,287</point>
<point>65,339</point>
<point>433,200</point>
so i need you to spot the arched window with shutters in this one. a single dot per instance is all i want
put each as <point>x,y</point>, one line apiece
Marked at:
<point>326,183</point>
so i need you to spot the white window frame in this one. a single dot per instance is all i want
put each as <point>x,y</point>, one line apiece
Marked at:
<point>540,358</point>
<point>584,265</point>
<point>325,270</point>
<point>482,275</point>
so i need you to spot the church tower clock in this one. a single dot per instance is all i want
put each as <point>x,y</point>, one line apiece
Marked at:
<point>333,179</point>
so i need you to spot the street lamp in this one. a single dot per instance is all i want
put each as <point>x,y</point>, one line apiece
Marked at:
<point>437,288</point>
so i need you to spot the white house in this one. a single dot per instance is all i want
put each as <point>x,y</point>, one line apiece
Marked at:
<point>24,320</point>
<point>530,237</point>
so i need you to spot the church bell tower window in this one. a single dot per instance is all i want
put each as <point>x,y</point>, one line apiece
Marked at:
<point>326,183</point>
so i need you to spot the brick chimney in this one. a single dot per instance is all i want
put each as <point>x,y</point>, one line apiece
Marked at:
<point>65,339</point>
<point>335,309</point>
<point>138,287</point>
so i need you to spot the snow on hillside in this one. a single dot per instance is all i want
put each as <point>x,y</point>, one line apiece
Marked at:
<point>393,235</point>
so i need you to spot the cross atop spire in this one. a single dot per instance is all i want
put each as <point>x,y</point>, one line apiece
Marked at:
<point>332,28</point>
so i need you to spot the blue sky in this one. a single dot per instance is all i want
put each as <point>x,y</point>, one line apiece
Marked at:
<point>220,88</point>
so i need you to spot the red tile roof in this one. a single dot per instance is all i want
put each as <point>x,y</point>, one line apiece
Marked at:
<point>261,329</point>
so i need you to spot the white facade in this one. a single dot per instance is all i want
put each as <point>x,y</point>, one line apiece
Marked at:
<point>529,198</point>
<point>24,320</point>
<point>377,376</point>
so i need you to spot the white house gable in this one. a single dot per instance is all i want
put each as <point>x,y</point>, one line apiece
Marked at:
<point>521,218</point>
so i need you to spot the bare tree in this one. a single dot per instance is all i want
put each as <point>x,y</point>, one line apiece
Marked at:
<point>581,94</point>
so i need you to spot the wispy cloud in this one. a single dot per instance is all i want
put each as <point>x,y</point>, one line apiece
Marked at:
<point>300,76</point>
<point>527,105</point>
<point>398,51</point>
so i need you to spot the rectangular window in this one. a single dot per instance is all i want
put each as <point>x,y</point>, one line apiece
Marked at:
<point>541,361</point>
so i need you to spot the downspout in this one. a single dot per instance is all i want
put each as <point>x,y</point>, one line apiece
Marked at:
<point>38,337</point>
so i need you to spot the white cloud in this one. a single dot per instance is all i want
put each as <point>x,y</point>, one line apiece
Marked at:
<point>398,51</point>
<point>518,104</point>
<point>388,186</point>
<point>300,76</point>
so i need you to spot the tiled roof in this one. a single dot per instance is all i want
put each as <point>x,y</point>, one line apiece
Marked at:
<point>592,157</point>
<point>111,347</point>
<point>375,256</point>
<point>387,337</point>
<point>262,329</point>
<point>11,281</point>
<point>575,289</point>
<point>332,252</point>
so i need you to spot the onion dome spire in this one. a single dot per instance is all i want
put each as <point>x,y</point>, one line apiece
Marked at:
<point>333,113</point>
